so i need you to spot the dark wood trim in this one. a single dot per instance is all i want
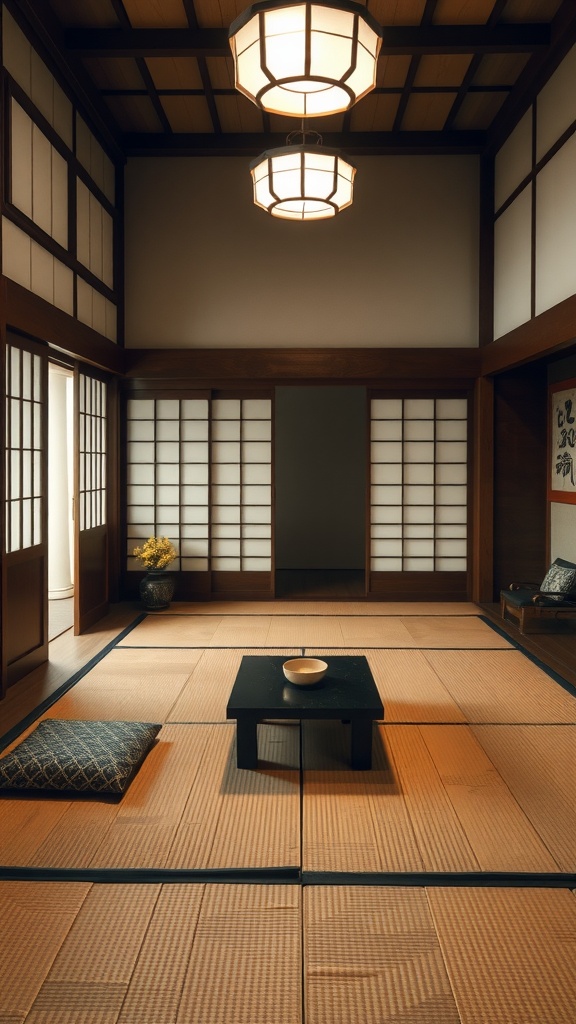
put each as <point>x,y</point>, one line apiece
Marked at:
<point>418,586</point>
<point>30,315</point>
<point>538,70</point>
<point>482,549</point>
<point>533,217</point>
<point>549,332</point>
<point>398,40</point>
<point>486,253</point>
<point>458,366</point>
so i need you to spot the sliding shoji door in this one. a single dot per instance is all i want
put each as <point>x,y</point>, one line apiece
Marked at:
<point>419,497</point>
<point>198,470</point>
<point>90,502</point>
<point>25,561</point>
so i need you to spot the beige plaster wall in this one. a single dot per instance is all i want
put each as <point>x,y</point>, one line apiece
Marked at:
<point>205,268</point>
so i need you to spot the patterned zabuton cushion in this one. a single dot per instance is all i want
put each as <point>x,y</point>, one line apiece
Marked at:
<point>559,581</point>
<point>85,757</point>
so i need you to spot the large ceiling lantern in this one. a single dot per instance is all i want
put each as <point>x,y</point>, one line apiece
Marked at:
<point>305,59</point>
<point>302,182</point>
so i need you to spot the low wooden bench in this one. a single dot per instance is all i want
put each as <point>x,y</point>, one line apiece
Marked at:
<point>539,609</point>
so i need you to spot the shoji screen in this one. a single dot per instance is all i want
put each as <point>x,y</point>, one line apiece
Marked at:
<point>25,483</point>
<point>91,452</point>
<point>418,503</point>
<point>199,472</point>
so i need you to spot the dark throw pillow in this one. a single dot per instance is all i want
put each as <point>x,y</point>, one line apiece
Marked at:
<point>559,580</point>
<point>78,756</point>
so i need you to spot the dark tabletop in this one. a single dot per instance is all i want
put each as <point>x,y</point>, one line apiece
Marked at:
<point>348,686</point>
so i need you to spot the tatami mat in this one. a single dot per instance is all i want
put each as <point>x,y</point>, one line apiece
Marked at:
<point>150,954</point>
<point>439,956</point>
<point>300,630</point>
<point>433,802</point>
<point>36,918</point>
<point>538,764</point>
<point>188,807</point>
<point>501,686</point>
<point>336,607</point>
<point>205,696</point>
<point>408,686</point>
<point>509,953</point>
<point>373,956</point>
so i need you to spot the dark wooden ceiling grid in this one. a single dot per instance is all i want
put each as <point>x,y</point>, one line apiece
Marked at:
<point>453,75</point>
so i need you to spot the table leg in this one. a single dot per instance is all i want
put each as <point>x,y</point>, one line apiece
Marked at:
<point>361,743</point>
<point>247,743</point>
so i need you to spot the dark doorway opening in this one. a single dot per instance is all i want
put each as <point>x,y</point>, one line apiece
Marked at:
<point>320,492</point>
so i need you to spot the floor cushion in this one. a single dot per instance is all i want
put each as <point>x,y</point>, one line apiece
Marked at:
<point>78,756</point>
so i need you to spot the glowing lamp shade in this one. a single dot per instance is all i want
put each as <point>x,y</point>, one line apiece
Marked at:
<point>302,182</point>
<point>305,59</point>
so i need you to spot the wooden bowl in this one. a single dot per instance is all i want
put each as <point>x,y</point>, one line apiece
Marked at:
<point>304,671</point>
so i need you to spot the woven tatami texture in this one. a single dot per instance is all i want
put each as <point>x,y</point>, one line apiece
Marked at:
<point>433,802</point>
<point>538,764</point>
<point>304,607</point>
<point>300,630</point>
<point>188,807</point>
<point>498,686</point>
<point>373,956</point>
<point>509,953</point>
<point>439,956</point>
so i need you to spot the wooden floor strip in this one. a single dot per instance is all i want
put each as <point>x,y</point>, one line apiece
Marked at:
<point>322,607</point>
<point>501,687</point>
<point>509,953</point>
<point>372,956</point>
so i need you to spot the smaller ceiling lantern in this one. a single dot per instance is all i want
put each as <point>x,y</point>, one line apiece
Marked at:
<point>305,59</point>
<point>302,182</point>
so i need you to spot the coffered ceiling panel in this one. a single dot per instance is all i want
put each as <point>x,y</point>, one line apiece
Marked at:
<point>452,74</point>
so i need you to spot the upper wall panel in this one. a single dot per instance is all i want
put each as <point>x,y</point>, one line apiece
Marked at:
<point>205,268</point>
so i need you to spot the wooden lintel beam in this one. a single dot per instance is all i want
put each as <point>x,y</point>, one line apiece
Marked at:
<point>397,40</point>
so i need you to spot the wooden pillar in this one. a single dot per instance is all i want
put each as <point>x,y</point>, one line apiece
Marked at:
<point>482,558</point>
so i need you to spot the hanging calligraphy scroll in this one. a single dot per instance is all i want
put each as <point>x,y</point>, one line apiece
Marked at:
<point>562,464</point>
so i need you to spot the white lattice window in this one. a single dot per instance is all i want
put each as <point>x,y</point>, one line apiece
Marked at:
<point>418,493</point>
<point>25,485</point>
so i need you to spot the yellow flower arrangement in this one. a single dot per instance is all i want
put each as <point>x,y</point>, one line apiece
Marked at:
<point>156,553</point>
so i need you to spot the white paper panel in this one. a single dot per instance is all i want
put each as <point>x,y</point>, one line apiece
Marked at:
<point>226,564</point>
<point>21,171</point>
<point>418,473</point>
<point>419,451</point>
<point>455,473</point>
<point>168,451</point>
<point>256,409</point>
<point>451,548</point>
<point>42,272</point>
<point>419,409</point>
<point>140,474</point>
<point>556,228</point>
<point>16,247</point>
<point>386,409</point>
<point>388,530</point>
<point>386,565</point>
<point>194,451</point>
<point>63,287</point>
<point>194,408</point>
<point>381,547</point>
<point>384,495</point>
<point>59,199</point>
<point>256,430</point>
<point>512,265</point>
<point>16,51</point>
<point>226,409</point>
<point>418,564</point>
<point>416,494</point>
<point>225,473</point>
<point>167,494</point>
<point>194,514</point>
<point>192,495</point>
<point>418,547</point>
<point>386,451</point>
<point>167,430</point>
<point>257,514</point>
<point>256,451</point>
<point>556,106</point>
<point>386,513</point>
<point>225,494</point>
<point>168,474</point>
<point>382,473</point>
<point>256,473</point>
<point>167,409</point>
<point>225,547</point>
<point>258,495</point>
<point>256,530</point>
<point>451,514</point>
<point>221,530</point>
<point>451,430</point>
<point>513,161</point>
<point>386,430</point>
<point>41,180</point>
<point>225,451</point>
<point>140,409</point>
<point>194,430</point>
<point>448,495</point>
<point>451,408</point>
<point>419,430</point>
<point>420,531</point>
<point>226,430</point>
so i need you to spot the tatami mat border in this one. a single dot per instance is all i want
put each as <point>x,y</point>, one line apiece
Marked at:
<point>38,711</point>
<point>293,876</point>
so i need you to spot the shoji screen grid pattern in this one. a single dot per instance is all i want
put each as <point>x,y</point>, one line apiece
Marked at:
<point>418,455</point>
<point>24,438</point>
<point>241,485</point>
<point>92,452</point>
<point>199,472</point>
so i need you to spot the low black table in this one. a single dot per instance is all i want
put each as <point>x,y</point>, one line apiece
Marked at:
<point>347,692</point>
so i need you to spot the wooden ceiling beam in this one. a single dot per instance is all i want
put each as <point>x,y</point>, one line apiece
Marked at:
<point>249,144</point>
<point>397,40</point>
